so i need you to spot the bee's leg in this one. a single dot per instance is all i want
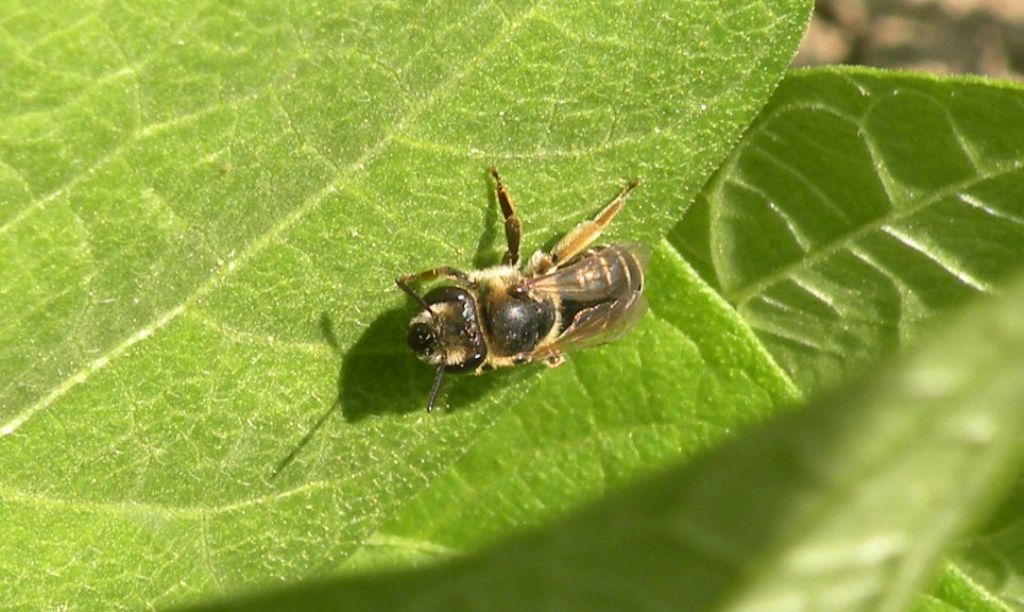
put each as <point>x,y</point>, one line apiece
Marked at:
<point>446,272</point>
<point>450,273</point>
<point>554,360</point>
<point>540,264</point>
<point>513,230</point>
<point>585,233</point>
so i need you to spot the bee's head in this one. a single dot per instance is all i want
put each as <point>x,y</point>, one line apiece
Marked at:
<point>446,332</point>
<point>423,338</point>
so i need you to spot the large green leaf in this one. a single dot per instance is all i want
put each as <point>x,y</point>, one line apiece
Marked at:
<point>203,386</point>
<point>845,505</point>
<point>860,205</point>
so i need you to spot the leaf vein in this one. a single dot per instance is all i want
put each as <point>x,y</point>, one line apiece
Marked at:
<point>943,260</point>
<point>742,294</point>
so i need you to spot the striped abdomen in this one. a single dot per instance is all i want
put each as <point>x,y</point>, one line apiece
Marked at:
<point>608,273</point>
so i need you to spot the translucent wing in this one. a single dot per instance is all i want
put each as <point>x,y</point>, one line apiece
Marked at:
<point>608,273</point>
<point>597,324</point>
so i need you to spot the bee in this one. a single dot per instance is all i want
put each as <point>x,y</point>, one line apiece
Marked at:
<point>566,299</point>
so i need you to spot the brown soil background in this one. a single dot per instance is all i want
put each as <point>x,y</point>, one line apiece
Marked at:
<point>942,36</point>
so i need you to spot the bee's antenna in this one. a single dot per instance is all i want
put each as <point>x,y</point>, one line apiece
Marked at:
<point>415,296</point>
<point>440,368</point>
<point>436,387</point>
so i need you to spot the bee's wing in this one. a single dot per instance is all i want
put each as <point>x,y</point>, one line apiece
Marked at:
<point>639,250</point>
<point>597,324</point>
<point>608,273</point>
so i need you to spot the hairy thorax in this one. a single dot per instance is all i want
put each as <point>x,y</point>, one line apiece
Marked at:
<point>517,320</point>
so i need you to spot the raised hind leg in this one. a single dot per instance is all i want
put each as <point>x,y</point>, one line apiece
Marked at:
<point>513,230</point>
<point>579,237</point>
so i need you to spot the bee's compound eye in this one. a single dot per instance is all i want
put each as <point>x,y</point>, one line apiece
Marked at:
<point>421,339</point>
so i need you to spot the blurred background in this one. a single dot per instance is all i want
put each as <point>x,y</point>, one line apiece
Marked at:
<point>942,36</point>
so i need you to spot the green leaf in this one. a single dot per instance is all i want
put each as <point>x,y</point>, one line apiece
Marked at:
<point>682,381</point>
<point>203,387</point>
<point>845,505</point>
<point>860,205</point>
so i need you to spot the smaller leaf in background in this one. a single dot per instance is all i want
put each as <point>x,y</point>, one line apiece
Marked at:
<point>859,205</point>
<point>847,504</point>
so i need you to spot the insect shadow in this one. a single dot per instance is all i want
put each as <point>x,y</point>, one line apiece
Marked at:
<point>486,254</point>
<point>379,375</point>
<point>327,331</point>
<point>368,380</point>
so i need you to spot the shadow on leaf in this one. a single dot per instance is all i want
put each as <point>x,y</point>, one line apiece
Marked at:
<point>485,254</point>
<point>380,375</point>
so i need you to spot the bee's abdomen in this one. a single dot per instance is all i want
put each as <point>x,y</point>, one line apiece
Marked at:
<point>607,274</point>
<point>620,271</point>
